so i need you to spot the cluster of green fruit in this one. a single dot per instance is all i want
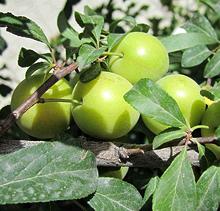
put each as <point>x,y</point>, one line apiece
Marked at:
<point>98,106</point>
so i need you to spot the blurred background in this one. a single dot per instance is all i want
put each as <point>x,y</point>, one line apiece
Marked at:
<point>162,15</point>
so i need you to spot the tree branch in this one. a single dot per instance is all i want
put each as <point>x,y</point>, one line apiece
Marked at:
<point>34,98</point>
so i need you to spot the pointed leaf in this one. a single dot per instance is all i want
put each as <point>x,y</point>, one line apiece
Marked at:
<point>208,189</point>
<point>213,66</point>
<point>186,40</point>
<point>40,67</point>
<point>195,56</point>
<point>23,26</point>
<point>176,189</point>
<point>47,172</point>
<point>152,101</point>
<point>88,54</point>
<point>199,23</point>
<point>151,187</point>
<point>115,194</point>
<point>167,136</point>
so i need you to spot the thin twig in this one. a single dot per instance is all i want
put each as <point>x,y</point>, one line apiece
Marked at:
<point>34,98</point>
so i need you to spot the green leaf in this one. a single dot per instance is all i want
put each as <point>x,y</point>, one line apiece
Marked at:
<point>215,90</point>
<point>201,150</point>
<point>89,74</point>
<point>208,189</point>
<point>3,44</point>
<point>151,187</point>
<point>39,67</point>
<point>94,23</point>
<point>47,172</point>
<point>217,132</point>
<point>199,23</point>
<point>27,57</point>
<point>89,11</point>
<point>212,68</point>
<point>186,40</point>
<point>141,27</point>
<point>207,93</point>
<point>176,189</point>
<point>67,31</point>
<point>23,27</point>
<point>128,19</point>
<point>195,56</point>
<point>115,194</point>
<point>152,101</point>
<point>167,136</point>
<point>113,39</point>
<point>88,54</point>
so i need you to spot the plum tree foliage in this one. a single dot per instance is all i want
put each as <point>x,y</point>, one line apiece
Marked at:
<point>115,70</point>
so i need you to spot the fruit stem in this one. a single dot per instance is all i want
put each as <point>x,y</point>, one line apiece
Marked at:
<point>58,100</point>
<point>113,54</point>
<point>199,127</point>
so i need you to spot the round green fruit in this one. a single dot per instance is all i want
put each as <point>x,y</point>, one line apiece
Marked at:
<point>116,172</point>
<point>103,112</point>
<point>143,56</point>
<point>186,92</point>
<point>43,120</point>
<point>211,118</point>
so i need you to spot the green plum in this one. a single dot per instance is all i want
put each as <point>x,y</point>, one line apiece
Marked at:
<point>211,118</point>
<point>116,172</point>
<point>186,92</point>
<point>144,56</point>
<point>43,120</point>
<point>103,112</point>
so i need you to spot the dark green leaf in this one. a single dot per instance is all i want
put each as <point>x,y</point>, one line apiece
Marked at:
<point>186,40</point>
<point>23,26</point>
<point>207,94</point>
<point>141,27</point>
<point>27,57</point>
<point>92,72</point>
<point>94,22</point>
<point>167,136</point>
<point>208,189</point>
<point>200,24</point>
<point>115,194</point>
<point>3,44</point>
<point>176,189</point>
<point>39,67</point>
<point>130,20</point>
<point>47,172</point>
<point>151,187</point>
<point>213,66</point>
<point>67,31</point>
<point>195,56</point>
<point>88,54</point>
<point>152,101</point>
<point>113,39</point>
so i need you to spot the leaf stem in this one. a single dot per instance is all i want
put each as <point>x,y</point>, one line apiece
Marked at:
<point>59,100</point>
<point>113,54</point>
<point>199,127</point>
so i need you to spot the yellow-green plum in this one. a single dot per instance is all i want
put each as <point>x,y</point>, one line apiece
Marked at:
<point>103,112</point>
<point>211,118</point>
<point>143,56</point>
<point>186,93</point>
<point>43,120</point>
<point>116,172</point>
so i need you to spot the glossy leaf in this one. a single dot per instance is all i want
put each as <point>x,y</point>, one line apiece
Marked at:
<point>152,101</point>
<point>208,189</point>
<point>88,54</point>
<point>47,172</point>
<point>40,67</point>
<point>167,136</point>
<point>115,194</point>
<point>213,66</point>
<point>176,189</point>
<point>23,27</point>
<point>186,40</point>
<point>195,56</point>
